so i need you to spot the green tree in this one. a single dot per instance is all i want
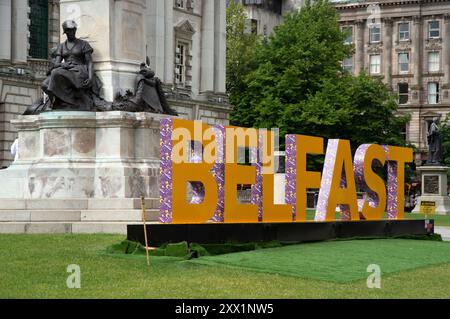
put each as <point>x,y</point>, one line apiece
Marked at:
<point>241,46</point>
<point>306,49</point>
<point>360,109</point>
<point>298,85</point>
<point>444,128</point>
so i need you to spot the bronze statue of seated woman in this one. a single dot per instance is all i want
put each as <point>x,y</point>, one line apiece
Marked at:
<point>71,83</point>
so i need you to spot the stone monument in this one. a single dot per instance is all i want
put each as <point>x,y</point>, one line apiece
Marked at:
<point>83,163</point>
<point>434,174</point>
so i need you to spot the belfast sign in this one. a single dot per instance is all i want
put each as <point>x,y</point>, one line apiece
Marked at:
<point>207,158</point>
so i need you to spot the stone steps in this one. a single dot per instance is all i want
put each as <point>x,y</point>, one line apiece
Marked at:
<point>77,215</point>
<point>443,231</point>
<point>64,228</point>
<point>77,204</point>
<point>32,216</point>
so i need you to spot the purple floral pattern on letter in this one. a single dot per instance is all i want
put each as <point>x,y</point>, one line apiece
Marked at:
<point>165,171</point>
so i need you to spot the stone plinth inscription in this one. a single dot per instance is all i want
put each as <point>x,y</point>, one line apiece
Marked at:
<point>431,183</point>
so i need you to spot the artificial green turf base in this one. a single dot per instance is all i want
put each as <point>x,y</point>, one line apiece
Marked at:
<point>193,250</point>
<point>338,261</point>
<point>130,248</point>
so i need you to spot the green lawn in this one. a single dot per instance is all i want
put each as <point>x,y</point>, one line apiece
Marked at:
<point>34,266</point>
<point>439,220</point>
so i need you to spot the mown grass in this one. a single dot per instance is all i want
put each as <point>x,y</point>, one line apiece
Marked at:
<point>34,266</point>
<point>439,220</point>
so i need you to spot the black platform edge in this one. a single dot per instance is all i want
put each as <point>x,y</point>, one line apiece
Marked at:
<point>218,233</point>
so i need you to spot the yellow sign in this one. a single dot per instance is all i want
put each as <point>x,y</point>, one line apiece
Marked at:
<point>427,208</point>
<point>206,158</point>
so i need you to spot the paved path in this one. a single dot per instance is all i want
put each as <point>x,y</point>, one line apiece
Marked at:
<point>444,231</point>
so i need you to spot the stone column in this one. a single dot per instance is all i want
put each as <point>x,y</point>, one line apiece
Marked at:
<point>207,51</point>
<point>220,47</point>
<point>446,49</point>
<point>359,46</point>
<point>19,34</point>
<point>5,29</point>
<point>54,24</point>
<point>169,44</point>
<point>387,52</point>
<point>417,50</point>
<point>156,36</point>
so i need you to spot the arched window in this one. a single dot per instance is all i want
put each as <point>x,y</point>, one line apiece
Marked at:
<point>39,29</point>
<point>183,54</point>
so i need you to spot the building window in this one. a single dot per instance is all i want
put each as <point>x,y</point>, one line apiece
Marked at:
<point>184,32</point>
<point>403,96</point>
<point>39,29</point>
<point>179,4</point>
<point>403,31</point>
<point>403,62</point>
<point>404,132</point>
<point>433,29</point>
<point>180,63</point>
<point>433,93</point>
<point>348,31</point>
<point>252,26</point>
<point>433,62</point>
<point>375,62</point>
<point>375,34</point>
<point>347,64</point>
<point>184,4</point>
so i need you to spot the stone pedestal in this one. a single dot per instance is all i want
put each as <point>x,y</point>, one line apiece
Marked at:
<point>81,172</point>
<point>434,188</point>
<point>75,155</point>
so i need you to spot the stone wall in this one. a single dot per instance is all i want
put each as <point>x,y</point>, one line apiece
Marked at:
<point>208,112</point>
<point>15,95</point>
<point>266,20</point>
<point>75,155</point>
<point>290,5</point>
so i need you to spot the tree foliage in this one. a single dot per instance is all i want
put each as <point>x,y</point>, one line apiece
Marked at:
<point>297,84</point>
<point>444,129</point>
<point>241,46</point>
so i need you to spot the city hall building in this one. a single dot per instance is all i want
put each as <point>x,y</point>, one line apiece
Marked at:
<point>404,42</point>
<point>185,41</point>
<point>407,43</point>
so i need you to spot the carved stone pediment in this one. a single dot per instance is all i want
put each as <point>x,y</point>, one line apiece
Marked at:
<point>185,29</point>
<point>375,48</point>
<point>431,115</point>
<point>402,46</point>
<point>433,44</point>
